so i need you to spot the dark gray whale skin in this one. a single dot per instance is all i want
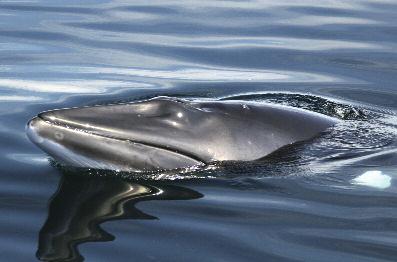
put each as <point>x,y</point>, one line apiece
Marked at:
<point>166,133</point>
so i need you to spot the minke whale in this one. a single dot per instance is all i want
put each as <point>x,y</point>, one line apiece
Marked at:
<point>166,133</point>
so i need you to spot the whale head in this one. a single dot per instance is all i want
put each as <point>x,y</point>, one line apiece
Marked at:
<point>166,133</point>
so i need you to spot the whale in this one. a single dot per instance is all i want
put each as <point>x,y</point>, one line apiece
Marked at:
<point>166,133</point>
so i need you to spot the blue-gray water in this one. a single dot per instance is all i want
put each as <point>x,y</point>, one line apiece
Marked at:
<point>331,199</point>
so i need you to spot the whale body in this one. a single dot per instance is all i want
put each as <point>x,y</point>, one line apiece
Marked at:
<point>167,133</point>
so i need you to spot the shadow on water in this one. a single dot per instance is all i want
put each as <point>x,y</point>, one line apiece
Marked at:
<point>82,203</point>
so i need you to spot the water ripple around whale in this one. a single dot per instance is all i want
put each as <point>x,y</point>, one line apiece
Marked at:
<point>333,198</point>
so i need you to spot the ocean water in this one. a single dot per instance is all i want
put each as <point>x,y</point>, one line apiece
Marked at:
<point>330,199</point>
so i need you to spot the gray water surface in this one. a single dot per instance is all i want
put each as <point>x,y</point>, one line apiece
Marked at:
<point>330,199</point>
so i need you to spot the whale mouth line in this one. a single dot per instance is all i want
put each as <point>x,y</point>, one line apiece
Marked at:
<point>131,141</point>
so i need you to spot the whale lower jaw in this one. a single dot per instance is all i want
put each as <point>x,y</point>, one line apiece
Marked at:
<point>80,148</point>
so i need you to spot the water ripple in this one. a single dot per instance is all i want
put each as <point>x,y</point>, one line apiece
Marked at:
<point>321,200</point>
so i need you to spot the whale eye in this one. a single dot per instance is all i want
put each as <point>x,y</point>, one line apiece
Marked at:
<point>58,135</point>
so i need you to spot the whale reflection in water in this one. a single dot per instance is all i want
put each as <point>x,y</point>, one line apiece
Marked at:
<point>83,202</point>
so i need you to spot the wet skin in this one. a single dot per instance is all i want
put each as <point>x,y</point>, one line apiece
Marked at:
<point>166,133</point>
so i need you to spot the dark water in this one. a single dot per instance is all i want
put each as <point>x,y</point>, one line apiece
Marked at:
<point>331,199</point>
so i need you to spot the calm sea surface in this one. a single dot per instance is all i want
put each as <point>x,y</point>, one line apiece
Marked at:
<point>330,199</point>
